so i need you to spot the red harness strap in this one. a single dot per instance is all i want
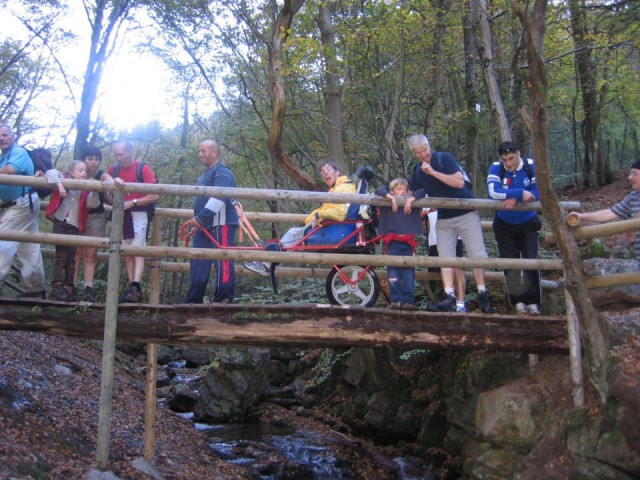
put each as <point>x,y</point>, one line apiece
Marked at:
<point>394,237</point>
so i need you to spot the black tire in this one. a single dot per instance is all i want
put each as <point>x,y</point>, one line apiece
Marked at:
<point>363,294</point>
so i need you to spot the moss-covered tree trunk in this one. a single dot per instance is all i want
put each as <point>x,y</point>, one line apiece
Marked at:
<point>594,332</point>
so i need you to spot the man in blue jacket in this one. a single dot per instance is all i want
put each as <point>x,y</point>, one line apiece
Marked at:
<point>440,175</point>
<point>512,179</point>
<point>220,218</point>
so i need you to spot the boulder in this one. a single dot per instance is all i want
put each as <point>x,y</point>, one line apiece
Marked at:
<point>615,294</point>
<point>233,384</point>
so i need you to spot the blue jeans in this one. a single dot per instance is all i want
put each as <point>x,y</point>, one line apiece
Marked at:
<point>225,277</point>
<point>401,279</point>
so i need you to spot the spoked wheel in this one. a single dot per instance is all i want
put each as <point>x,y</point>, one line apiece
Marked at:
<point>352,285</point>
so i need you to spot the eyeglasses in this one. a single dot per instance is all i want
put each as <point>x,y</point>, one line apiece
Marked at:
<point>327,170</point>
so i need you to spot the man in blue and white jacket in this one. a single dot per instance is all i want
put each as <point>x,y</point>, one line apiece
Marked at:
<point>220,218</point>
<point>517,231</point>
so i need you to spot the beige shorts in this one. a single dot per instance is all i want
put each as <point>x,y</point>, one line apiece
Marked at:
<point>97,225</point>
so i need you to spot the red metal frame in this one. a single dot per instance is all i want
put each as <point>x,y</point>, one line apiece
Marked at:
<point>300,246</point>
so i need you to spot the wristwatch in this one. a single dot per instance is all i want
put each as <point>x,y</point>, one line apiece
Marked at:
<point>135,202</point>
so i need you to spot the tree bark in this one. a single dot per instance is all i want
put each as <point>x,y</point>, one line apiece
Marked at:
<point>489,69</point>
<point>587,78</point>
<point>103,38</point>
<point>332,88</point>
<point>300,325</point>
<point>594,333</point>
<point>274,140</point>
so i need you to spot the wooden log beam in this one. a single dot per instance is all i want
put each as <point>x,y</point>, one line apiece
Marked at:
<point>274,195</point>
<point>250,254</point>
<point>293,325</point>
<point>601,230</point>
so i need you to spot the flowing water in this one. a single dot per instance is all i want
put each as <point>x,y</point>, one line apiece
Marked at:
<point>274,452</point>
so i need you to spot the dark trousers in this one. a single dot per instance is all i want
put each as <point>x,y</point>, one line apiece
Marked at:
<point>520,241</point>
<point>225,276</point>
<point>401,279</point>
<point>65,263</point>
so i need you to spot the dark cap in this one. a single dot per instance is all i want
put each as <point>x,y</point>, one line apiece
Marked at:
<point>636,164</point>
<point>507,147</point>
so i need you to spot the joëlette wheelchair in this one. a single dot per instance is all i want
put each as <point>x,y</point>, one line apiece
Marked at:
<point>351,284</point>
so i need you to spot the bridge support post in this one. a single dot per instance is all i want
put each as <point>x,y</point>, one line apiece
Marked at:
<point>110,326</point>
<point>575,355</point>
<point>152,354</point>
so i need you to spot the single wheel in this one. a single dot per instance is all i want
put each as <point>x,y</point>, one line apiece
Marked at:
<point>352,285</point>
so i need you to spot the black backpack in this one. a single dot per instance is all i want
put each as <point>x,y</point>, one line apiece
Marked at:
<point>525,164</point>
<point>151,208</point>
<point>41,158</point>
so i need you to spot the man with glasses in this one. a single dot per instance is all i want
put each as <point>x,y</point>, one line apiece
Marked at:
<point>440,175</point>
<point>337,183</point>
<point>19,211</point>
<point>625,209</point>
<point>512,179</point>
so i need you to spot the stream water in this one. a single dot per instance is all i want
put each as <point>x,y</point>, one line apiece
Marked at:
<point>275,452</point>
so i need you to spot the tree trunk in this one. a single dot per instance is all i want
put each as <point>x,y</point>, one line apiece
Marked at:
<point>594,333</point>
<point>298,325</point>
<point>332,88</point>
<point>103,38</point>
<point>586,67</point>
<point>469,21</point>
<point>274,140</point>
<point>491,80</point>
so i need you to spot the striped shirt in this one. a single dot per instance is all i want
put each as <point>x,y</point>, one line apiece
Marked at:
<point>627,208</point>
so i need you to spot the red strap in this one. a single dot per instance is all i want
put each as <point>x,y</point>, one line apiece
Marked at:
<point>394,237</point>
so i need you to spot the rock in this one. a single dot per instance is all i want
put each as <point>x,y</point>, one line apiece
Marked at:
<point>167,354</point>
<point>615,294</point>
<point>197,356</point>
<point>508,417</point>
<point>181,398</point>
<point>232,385</point>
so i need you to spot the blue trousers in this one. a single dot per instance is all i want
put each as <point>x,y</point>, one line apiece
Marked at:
<point>225,277</point>
<point>520,241</point>
<point>401,279</point>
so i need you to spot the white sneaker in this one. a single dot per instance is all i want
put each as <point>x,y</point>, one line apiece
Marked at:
<point>521,308</point>
<point>461,307</point>
<point>533,309</point>
<point>261,268</point>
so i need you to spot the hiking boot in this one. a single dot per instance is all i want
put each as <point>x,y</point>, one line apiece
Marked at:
<point>71,291</point>
<point>261,268</point>
<point>59,293</point>
<point>447,304</point>
<point>131,295</point>
<point>395,306</point>
<point>88,294</point>
<point>533,309</point>
<point>521,308</point>
<point>483,302</point>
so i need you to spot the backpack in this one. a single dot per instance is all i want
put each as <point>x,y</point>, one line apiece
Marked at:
<point>151,208</point>
<point>525,164</point>
<point>41,158</point>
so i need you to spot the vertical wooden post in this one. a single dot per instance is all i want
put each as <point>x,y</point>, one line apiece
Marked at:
<point>110,325</point>
<point>575,355</point>
<point>152,353</point>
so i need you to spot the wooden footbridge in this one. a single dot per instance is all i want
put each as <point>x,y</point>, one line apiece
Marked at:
<point>276,325</point>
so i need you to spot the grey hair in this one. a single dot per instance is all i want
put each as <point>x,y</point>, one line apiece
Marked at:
<point>8,127</point>
<point>418,140</point>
